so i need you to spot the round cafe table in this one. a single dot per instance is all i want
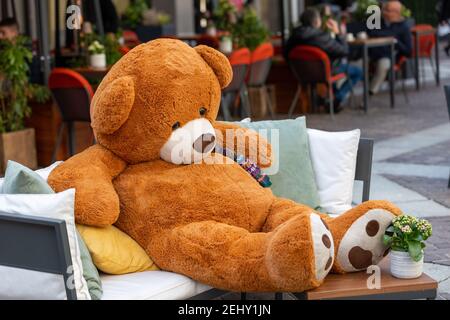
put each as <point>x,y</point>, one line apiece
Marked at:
<point>366,44</point>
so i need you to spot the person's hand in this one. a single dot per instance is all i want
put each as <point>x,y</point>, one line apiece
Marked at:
<point>333,26</point>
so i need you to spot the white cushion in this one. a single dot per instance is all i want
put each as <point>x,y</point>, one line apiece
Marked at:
<point>45,173</point>
<point>150,285</point>
<point>334,156</point>
<point>54,206</point>
<point>27,285</point>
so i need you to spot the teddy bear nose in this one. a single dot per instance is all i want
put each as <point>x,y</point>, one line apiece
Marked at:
<point>205,143</point>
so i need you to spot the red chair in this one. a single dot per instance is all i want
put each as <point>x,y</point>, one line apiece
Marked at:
<point>312,66</point>
<point>261,62</point>
<point>131,38</point>
<point>240,62</point>
<point>124,50</point>
<point>73,94</point>
<point>423,46</point>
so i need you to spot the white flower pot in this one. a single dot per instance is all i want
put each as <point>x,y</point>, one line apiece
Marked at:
<point>226,45</point>
<point>404,267</point>
<point>98,61</point>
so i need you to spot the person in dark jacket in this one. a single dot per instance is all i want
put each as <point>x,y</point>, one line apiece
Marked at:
<point>311,33</point>
<point>392,25</point>
<point>443,12</point>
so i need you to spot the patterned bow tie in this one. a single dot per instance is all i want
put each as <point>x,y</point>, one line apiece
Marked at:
<point>252,168</point>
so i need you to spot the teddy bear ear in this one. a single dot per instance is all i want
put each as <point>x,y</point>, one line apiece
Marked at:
<point>111,108</point>
<point>218,62</point>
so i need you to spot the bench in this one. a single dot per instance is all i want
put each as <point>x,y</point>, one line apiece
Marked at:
<point>42,245</point>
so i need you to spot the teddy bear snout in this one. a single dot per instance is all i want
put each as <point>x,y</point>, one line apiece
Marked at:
<point>190,143</point>
<point>205,143</point>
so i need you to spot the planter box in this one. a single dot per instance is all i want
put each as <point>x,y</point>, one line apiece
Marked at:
<point>18,146</point>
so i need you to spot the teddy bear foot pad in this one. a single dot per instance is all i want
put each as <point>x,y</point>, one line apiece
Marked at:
<point>362,244</point>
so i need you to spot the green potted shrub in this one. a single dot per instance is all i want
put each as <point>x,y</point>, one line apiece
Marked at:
<point>133,15</point>
<point>406,237</point>
<point>249,31</point>
<point>148,23</point>
<point>17,142</point>
<point>225,18</point>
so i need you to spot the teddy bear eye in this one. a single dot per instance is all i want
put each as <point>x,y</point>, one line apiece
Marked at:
<point>203,111</point>
<point>176,126</point>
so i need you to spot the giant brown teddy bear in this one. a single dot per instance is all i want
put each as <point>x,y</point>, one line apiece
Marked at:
<point>154,175</point>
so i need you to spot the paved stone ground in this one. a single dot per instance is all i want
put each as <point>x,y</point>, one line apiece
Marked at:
<point>436,189</point>
<point>438,154</point>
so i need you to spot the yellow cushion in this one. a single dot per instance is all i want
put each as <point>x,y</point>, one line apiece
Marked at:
<point>114,252</point>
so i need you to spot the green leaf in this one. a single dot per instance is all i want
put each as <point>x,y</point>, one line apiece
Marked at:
<point>418,237</point>
<point>387,240</point>
<point>415,250</point>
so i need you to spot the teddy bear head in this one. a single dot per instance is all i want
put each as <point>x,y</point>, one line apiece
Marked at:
<point>160,101</point>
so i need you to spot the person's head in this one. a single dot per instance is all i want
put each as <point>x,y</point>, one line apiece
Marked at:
<point>392,11</point>
<point>9,29</point>
<point>311,18</point>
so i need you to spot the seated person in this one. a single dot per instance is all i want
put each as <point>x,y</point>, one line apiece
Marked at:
<point>392,25</point>
<point>311,33</point>
<point>9,30</point>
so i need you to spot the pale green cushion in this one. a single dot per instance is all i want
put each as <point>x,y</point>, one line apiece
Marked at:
<point>21,180</point>
<point>295,178</point>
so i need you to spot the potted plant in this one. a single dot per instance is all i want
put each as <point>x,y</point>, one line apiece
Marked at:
<point>225,18</point>
<point>249,31</point>
<point>17,142</point>
<point>148,23</point>
<point>133,15</point>
<point>112,48</point>
<point>406,237</point>
<point>97,55</point>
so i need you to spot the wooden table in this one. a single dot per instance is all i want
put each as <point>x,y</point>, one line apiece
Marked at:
<point>366,44</point>
<point>417,34</point>
<point>353,286</point>
<point>89,72</point>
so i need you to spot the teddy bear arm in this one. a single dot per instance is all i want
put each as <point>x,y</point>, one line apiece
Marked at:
<point>91,173</point>
<point>246,141</point>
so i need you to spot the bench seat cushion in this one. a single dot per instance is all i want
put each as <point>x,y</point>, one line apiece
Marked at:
<point>150,285</point>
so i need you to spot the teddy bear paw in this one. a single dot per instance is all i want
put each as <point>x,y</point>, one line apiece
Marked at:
<point>323,244</point>
<point>362,244</point>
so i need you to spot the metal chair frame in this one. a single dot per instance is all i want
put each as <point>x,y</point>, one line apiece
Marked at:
<point>69,117</point>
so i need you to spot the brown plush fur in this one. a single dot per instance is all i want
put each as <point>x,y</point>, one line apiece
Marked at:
<point>211,222</point>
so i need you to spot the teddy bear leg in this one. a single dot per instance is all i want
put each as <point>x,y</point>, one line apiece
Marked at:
<point>232,258</point>
<point>358,235</point>
<point>284,209</point>
<point>285,213</point>
<point>301,252</point>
